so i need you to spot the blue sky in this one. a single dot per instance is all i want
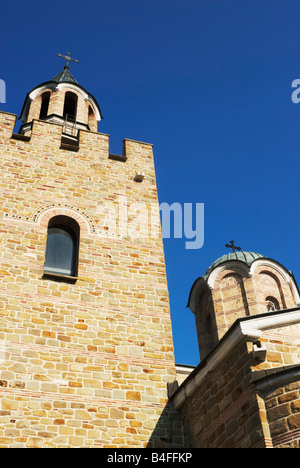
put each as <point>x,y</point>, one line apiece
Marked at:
<point>208,82</point>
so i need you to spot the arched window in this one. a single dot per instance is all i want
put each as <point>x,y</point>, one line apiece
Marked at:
<point>62,246</point>
<point>45,105</point>
<point>272,304</point>
<point>92,122</point>
<point>70,106</point>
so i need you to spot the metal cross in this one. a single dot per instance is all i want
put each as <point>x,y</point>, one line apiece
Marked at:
<point>68,59</point>
<point>232,246</point>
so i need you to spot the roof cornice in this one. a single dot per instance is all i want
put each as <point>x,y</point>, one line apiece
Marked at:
<point>248,329</point>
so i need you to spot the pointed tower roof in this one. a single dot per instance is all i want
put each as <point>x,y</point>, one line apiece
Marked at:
<point>65,76</point>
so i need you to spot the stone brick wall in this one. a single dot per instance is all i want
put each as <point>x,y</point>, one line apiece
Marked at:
<point>224,412</point>
<point>84,364</point>
<point>283,346</point>
<point>283,413</point>
<point>206,324</point>
<point>238,398</point>
<point>279,389</point>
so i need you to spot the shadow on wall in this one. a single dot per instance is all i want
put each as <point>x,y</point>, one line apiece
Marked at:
<point>168,432</point>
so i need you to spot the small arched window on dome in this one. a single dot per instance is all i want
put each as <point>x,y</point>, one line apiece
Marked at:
<point>92,119</point>
<point>70,106</point>
<point>62,247</point>
<point>45,105</point>
<point>272,304</point>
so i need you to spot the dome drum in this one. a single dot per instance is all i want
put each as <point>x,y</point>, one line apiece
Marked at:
<point>239,284</point>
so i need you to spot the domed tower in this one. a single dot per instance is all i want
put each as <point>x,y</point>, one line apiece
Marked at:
<point>61,101</point>
<point>236,285</point>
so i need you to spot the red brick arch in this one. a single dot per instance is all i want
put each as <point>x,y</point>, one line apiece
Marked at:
<point>43,215</point>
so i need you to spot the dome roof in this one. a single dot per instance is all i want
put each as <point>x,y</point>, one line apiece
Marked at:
<point>245,257</point>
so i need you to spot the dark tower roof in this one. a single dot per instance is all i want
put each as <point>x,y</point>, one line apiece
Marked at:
<point>65,76</point>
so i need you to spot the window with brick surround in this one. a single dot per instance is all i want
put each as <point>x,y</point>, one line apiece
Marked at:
<point>62,247</point>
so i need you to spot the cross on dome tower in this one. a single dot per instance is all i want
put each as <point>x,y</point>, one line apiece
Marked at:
<point>68,59</point>
<point>232,246</point>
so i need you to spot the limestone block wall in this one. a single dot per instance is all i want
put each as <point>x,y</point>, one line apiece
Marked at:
<point>283,412</point>
<point>280,388</point>
<point>84,363</point>
<point>224,412</point>
<point>245,400</point>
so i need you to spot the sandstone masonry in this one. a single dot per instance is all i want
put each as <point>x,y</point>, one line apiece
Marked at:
<point>83,363</point>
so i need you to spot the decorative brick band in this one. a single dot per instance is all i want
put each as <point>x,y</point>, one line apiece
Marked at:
<point>44,213</point>
<point>51,396</point>
<point>282,338</point>
<point>286,438</point>
<point>69,352</point>
<point>93,306</point>
<point>98,276</point>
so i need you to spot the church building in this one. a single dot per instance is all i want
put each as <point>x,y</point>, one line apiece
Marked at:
<point>86,347</point>
<point>245,391</point>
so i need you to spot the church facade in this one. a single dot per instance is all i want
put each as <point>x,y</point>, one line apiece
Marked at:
<point>86,348</point>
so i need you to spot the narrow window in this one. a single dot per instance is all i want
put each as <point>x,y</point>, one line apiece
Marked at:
<point>62,246</point>
<point>45,105</point>
<point>70,106</point>
<point>91,118</point>
<point>272,304</point>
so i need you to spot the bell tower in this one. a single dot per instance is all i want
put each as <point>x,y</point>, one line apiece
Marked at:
<point>61,101</point>
<point>86,347</point>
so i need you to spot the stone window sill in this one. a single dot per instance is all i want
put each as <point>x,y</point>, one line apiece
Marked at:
<point>61,278</point>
